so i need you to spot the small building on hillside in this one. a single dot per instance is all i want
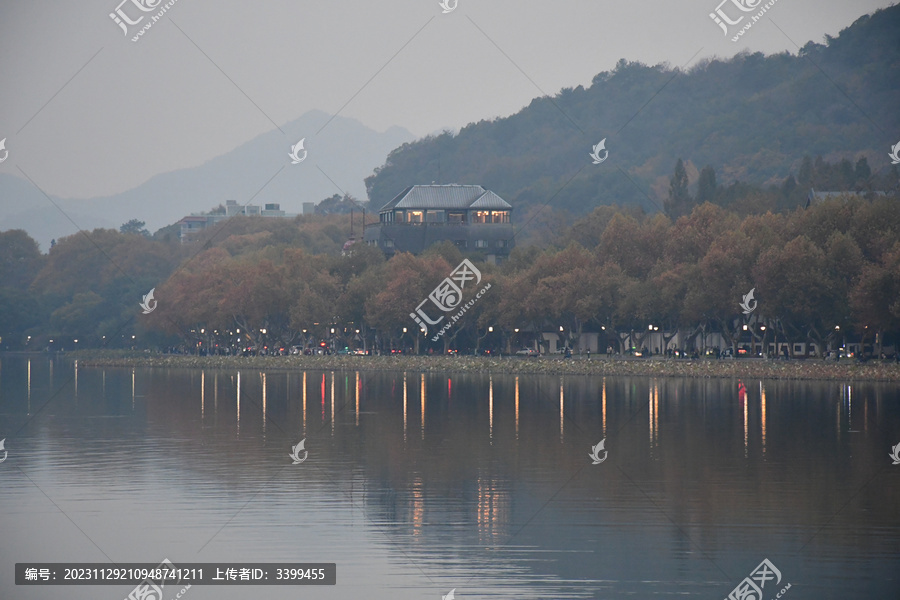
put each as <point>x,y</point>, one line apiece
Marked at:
<point>197,222</point>
<point>814,197</point>
<point>473,218</point>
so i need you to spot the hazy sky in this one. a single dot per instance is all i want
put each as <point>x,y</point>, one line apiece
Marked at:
<point>88,112</point>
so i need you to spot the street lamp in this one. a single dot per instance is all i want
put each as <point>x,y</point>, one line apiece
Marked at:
<point>560,327</point>
<point>491,329</point>
<point>263,331</point>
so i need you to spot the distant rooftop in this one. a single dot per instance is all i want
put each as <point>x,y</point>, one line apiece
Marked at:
<point>450,196</point>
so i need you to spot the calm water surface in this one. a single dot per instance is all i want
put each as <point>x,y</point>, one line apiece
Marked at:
<point>417,483</point>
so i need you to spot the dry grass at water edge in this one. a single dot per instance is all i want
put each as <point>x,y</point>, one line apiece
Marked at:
<point>748,368</point>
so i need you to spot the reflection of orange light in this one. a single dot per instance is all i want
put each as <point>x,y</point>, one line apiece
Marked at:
<point>517,407</point>
<point>418,506</point>
<point>492,509</point>
<point>762,394</point>
<point>604,406</point>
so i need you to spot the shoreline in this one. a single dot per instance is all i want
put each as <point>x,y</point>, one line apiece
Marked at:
<point>797,369</point>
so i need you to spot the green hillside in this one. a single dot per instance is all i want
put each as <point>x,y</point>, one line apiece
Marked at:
<point>752,118</point>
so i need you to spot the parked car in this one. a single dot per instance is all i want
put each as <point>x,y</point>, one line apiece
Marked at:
<point>527,352</point>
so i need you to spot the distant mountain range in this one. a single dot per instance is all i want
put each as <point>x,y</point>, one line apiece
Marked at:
<point>347,154</point>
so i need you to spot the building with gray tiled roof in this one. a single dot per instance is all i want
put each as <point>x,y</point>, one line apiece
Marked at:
<point>473,218</point>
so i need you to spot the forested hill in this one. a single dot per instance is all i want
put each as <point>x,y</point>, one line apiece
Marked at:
<point>752,118</point>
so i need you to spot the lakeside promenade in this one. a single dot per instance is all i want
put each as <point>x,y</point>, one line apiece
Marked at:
<point>796,369</point>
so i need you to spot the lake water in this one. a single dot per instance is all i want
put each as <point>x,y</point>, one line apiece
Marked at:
<point>418,484</point>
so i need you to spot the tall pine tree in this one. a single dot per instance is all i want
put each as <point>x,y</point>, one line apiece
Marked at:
<point>679,201</point>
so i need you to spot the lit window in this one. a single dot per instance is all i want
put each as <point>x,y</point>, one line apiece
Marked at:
<point>482,216</point>
<point>481,243</point>
<point>414,216</point>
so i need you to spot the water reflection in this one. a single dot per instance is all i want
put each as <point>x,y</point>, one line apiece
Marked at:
<point>762,411</point>
<point>404,408</point>
<point>479,499</point>
<point>490,408</point>
<point>492,510</point>
<point>422,407</point>
<point>562,415</point>
<point>603,405</point>
<point>654,414</point>
<point>517,407</point>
